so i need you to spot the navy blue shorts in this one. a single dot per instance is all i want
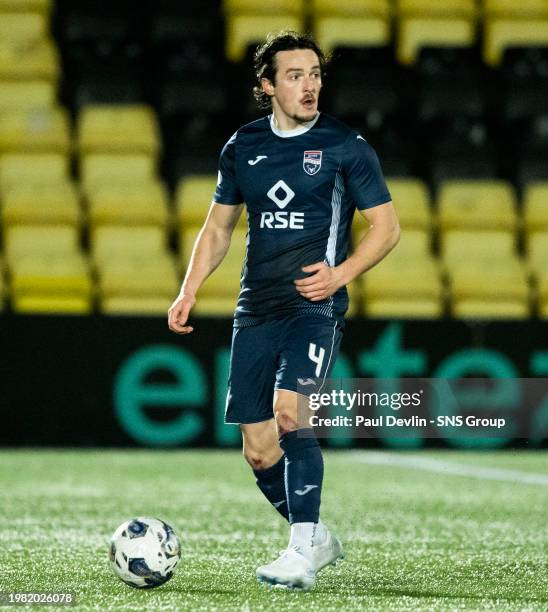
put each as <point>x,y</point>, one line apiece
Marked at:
<point>274,355</point>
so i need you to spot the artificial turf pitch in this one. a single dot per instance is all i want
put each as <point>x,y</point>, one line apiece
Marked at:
<point>416,538</point>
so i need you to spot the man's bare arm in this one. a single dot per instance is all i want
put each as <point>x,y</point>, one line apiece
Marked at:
<point>382,236</point>
<point>209,250</point>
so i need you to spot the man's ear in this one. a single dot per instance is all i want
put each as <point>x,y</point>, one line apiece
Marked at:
<point>267,86</point>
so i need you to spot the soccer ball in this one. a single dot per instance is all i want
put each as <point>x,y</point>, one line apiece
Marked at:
<point>144,552</point>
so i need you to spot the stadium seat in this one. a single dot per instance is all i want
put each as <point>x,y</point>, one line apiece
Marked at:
<point>509,8</point>
<point>267,7</point>
<point>112,243</point>
<point>412,202</point>
<point>22,28</point>
<point>476,249</point>
<point>111,168</point>
<point>245,30</point>
<point>351,31</point>
<point>36,61</point>
<point>55,203</point>
<point>41,129</point>
<point>193,199</point>
<point>503,33</point>
<point>225,280</point>
<point>118,129</point>
<point>537,252</point>
<point>26,95</point>
<point>437,8</point>
<point>25,168</point>
<point>525,83</point>
<point>414,244</point>
<point>450,82</point>
<point>136,273</point>
<point>403,288</point>
<point>352,8</point>
<point>48,271</point>
<point>144,285</point>
<point>418,32</point>
<point>535,207</point>
<point>496,289</point>
<point>477,205</point>
<point>129,205</point>
<point>30,6</point>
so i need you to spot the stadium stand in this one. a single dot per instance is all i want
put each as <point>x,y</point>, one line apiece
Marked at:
<point>452,95</point>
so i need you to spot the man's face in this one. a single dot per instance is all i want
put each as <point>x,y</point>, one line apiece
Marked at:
<point>298,83</point>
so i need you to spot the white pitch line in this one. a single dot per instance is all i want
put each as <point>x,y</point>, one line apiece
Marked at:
<point>449,468</point>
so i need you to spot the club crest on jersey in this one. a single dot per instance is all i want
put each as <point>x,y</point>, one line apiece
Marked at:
<point>312,162</point>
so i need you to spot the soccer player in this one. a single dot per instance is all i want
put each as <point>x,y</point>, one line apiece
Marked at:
<point>301,174</point>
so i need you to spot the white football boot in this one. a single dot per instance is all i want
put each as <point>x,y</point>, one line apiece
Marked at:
<point>327,553</point>
<point>291,569</point>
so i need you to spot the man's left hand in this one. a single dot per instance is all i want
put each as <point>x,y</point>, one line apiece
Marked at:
<point>321,284</point>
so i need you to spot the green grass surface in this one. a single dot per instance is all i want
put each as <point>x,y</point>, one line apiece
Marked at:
<point>415,539</point>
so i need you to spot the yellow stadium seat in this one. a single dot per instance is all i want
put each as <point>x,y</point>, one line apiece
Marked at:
<point>414,245</point>
<point>26,95</point>
<point>37,61</point>
<point>41,204</point>
<point>225,280</point>
<point>412,202</point>
<point>193,199</point>
<point>48,272</point>
<point>36,241</point>
<point>106,128</point>
<point>136,306</point>
<point>476,249</point>
<point>535,207</point>
<point>431,8</point>
<point>499,290</point>
<point>41,129</point>
<point>409,289</point>
<point>264,7</point>
<point>22,28</point>
<point>503,33</point>
<point>511,8</point>
<point>25,168</point>
<point>352,8</point>
<point>137,274</point>
<point>110,168</point>
<point>245,30</point>
<point>216,306</point>
<point>477,205</point>
<point>537,252</point>
<point>415,33</point>
<point>128,205</point>
<point>112,243</point>
<point>342,31</point>
<point>25,6</point>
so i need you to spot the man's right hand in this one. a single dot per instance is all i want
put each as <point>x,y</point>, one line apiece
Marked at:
<point>178,314</point>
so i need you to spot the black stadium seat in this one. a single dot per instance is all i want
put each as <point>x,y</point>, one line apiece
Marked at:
<point>450,81</point>
<point>525,78</point>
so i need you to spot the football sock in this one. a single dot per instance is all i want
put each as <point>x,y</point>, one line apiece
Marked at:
<point>303,475</point>
<point>271,481</point>
<point>302,536</point>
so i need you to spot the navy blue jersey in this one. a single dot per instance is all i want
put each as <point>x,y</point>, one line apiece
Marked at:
<point>301,189</point>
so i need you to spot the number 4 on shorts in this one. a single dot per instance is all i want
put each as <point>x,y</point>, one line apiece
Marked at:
<point>316,358</point>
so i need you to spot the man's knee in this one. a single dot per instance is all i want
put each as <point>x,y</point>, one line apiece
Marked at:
<point>261,448</point>
<point>285,412</point>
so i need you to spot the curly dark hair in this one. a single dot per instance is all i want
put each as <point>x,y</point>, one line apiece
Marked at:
<point>264,60</point>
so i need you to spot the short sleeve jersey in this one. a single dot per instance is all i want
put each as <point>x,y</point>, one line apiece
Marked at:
<point>301,189</point>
